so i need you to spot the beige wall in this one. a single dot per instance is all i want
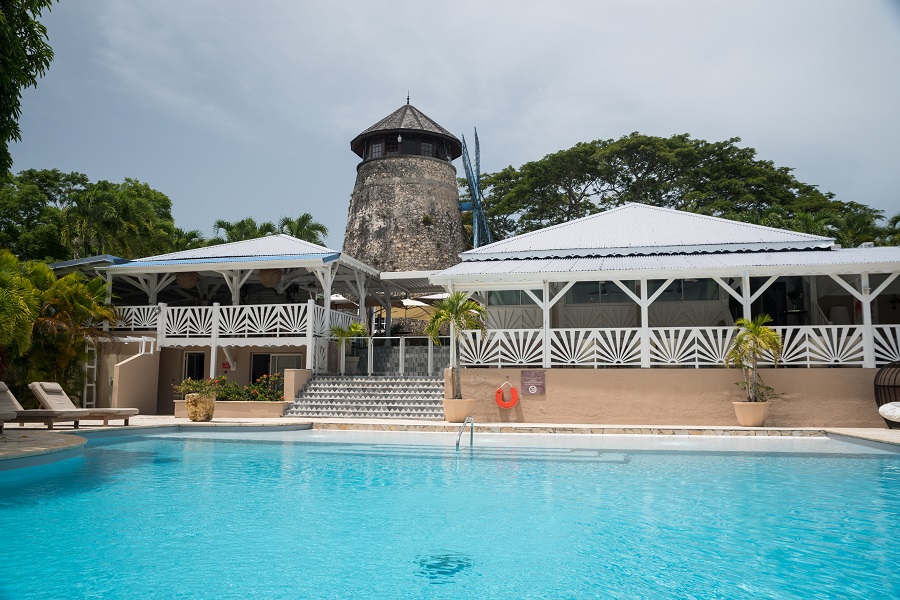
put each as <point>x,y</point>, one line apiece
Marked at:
<point>811,397</point>
<point>134,383</point>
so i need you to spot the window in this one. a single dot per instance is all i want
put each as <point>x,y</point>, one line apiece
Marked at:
<point>427,149</point>
<point>410,146</point>
<point>269,364</point>
<point>685,290</point>
<point>602,292</point>
<point>392,146</point>
<point>194,365</point>
<point>375,150</point>
<point>512,297</point>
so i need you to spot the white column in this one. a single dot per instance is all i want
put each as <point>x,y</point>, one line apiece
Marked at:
<point>214,343</point>
<point>745,295</point>
<point>545,309</point>
<point>161,325</point>
<point>867,333</point>
<point>645,327</point>
<point>311,335</point>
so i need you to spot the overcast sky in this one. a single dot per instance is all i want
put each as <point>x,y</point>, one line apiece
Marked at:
<point>236,108</point>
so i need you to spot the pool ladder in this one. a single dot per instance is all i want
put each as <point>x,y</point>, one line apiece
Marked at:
<point>471,432</point>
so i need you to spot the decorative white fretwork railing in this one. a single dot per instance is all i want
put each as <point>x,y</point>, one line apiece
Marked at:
<point>804,346</point>
<point>266,324</point>
<point>136,318</point>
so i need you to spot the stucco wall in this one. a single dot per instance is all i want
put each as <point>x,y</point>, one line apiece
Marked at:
<point>404,214</point>
<point>811,397</point>
<point>134,383</point>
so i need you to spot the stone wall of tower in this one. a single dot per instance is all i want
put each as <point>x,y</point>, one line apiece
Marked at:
<point>404,215</point>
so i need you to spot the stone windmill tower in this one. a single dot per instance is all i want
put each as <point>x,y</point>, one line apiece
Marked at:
<point>404,212</point>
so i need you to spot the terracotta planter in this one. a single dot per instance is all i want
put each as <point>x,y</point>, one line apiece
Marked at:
<point>200,407</point>
<point>456,411</point>
<point>751,414</point>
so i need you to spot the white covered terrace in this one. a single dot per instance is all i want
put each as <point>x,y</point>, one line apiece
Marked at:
<point>254,293</point>
<point>641,286</point>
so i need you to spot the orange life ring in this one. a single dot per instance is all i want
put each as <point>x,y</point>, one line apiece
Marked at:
<point>513,397</point>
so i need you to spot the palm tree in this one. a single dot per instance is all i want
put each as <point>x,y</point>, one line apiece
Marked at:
<point>18,308</point>
<point>461,314</point>
<point>71,312</point>
<point>752,341</point>
<point>304,227</point>
<point>245,229</point>
<point>187,240</point>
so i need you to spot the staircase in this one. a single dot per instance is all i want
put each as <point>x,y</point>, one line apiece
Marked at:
<point>366,397</point>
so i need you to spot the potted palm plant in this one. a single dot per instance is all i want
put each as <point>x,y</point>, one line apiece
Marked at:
<point>342,334</point>
<point>461,314</point>
<point>200,396</point>
<point>753,341</point>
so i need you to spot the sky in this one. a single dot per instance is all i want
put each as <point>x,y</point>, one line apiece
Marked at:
<point>237,109</point>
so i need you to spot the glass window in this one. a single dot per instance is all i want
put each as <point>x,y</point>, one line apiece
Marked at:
<point>410,146</point>
<point>392,146</point>
<point>700,289</point>
<point>375,150</point>
<point>427,149</point>
<point>512,297</point>
<point>685,289</point>
<point>584,292</point>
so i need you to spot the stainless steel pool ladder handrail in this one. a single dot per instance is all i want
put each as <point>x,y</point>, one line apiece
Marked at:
<point>471,432</point>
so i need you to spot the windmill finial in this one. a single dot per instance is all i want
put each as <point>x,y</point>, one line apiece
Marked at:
<point>407,96</point>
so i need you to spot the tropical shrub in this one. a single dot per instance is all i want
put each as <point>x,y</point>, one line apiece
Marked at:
<point>753,341</point>
<point>461,313</point>
<point>268,388</point>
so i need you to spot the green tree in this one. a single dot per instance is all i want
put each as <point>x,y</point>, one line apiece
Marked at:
<point>187,240</point>
<point>18,309</point>
<point>29,225</point>
<point>461,313</point>
<point>713,178</point>
<point>238,231</point>
<point>70,313</point>
<point>25,56</point>
<point>752,342</point>
<point>304,227</point>
<point>130,219</point>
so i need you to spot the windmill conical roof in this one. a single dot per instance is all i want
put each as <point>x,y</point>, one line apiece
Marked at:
<point>408,118</point>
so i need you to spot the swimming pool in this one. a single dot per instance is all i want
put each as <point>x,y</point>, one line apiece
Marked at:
<point>182,516</point>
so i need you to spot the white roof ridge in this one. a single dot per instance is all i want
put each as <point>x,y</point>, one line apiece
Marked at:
<point>220,250</point>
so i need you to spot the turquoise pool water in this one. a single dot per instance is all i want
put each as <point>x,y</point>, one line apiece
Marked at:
<point>196,518</point>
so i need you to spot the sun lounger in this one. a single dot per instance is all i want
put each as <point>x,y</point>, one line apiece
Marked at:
<point>4,417</point>
<point>9,404</point>
<point>52,396</point>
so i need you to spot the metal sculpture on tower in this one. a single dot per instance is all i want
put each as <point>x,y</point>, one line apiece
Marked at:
<point>480,230</point>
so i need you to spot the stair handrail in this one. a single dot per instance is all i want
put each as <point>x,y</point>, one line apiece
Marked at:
<point>468,420</point>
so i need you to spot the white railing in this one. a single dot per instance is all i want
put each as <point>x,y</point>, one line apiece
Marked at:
<point>136,318</point>
<point>887,343</point>
<point>502,347</point>
<point>804,346</point>
<point>238,325</point>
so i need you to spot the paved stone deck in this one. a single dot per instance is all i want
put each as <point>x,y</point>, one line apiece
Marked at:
<point>34,439</point>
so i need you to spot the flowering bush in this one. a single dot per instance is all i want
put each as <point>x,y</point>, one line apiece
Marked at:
<point>268,388</point>
<point>200,386</point>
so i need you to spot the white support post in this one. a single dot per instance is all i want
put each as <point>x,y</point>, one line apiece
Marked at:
<point>161,325</point>
<point>451,289</point>
<point>370,357</point>
<point>311,335</point>
<point>645,326</point>
<point>430,357</point>
<point>867,333</point>
<point>745,295</point>
<point>402,355</point>
<point>361,289</point>
<point>545,310</point>
<point>325,275</point>
<point>214,344</point>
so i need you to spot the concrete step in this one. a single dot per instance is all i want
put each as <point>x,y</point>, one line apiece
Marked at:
<point>365,396</point>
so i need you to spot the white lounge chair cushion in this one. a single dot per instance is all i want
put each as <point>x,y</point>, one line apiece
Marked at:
<point>890,411</point>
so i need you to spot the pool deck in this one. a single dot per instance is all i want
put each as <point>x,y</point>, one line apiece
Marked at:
<point>35,440</point>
